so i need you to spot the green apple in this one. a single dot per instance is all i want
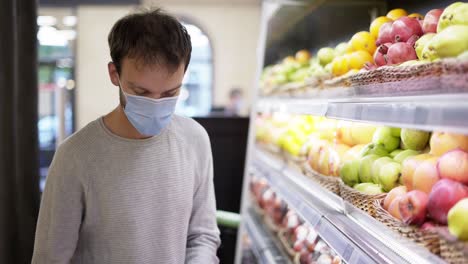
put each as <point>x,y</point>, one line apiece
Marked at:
<point>383,135</point>
<point>376,149</point>
<point>457,217</point>
<point>368,188</point>
<point>362,133</point>
<point>395,152</point>
<point>365,168</point>
<point>349,172</point>
<point>396,131</point>
<point>405,154</point>
<point>389,175</point>
<point>376,167</point>
<point>326,55</point>
<point>414,139</point>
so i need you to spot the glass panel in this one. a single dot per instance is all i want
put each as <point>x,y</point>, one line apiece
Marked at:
<point>56,39</point>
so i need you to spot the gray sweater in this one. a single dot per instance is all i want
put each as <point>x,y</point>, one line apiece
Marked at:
<point>110,199</point>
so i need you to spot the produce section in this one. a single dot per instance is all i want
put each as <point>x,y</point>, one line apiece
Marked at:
<point>366,140</point>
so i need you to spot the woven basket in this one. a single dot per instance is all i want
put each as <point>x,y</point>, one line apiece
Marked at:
<point>362,201</point>
<point>452,250</point>
<point>287,247</point>
<point>413,233</point>
<point>330,183</point>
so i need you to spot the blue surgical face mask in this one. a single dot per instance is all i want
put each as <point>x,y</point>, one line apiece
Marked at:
<point>149,116</point>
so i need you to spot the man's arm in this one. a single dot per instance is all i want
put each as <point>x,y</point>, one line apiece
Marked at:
<point>203,234</point>
<point>61,212</point>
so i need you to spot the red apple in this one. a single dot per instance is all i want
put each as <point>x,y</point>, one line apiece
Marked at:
<point>442,142</point>
<point>454,165</point>
<point>429,226</point>
<point>444,195</point>
<point>431,20</point>
<point>300,233</point>
<point>408,167</point>
<point>394,208</point>
<point>426,175</point>
<point>299,246</point>
<point>413,207</point>
<point>291,220</point>
<point>311,239</point>
<point>394,193</point>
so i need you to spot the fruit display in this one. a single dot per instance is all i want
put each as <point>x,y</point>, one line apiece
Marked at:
<point>298,237</point>
<point>396,39</point>
<point>425,174</point>
<point>363,131</point>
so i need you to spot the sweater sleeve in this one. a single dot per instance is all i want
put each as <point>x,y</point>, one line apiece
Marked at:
<point>203,234</point>
<point>60,213</point>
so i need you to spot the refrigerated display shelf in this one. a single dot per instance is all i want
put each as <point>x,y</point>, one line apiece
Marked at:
<point>264,247</point>
<point>356,236</point>
<point>431,112</point>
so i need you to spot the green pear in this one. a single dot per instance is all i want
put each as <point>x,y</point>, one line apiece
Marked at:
<point>454,14</point>
<point>414,139</point>
<point>369,188</point>
<point>405,154</point>
<point>365,167</point>
<point>383,135</point>
<point>457,216</point>
<point>451,42</point>
<point>376,167</point>
<point>389,175</point>
<point>421,43</point>
<point>326,55</point>
<point>376,149</point>
<point>396,131</point>
<point>349,172</point>
<point>340,49</point>
<point>395,152</point>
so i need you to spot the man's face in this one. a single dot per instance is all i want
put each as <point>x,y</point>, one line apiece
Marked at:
<point>153,82</point>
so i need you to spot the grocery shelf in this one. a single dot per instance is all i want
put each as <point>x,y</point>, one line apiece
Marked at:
<point>264,246</point>
<point>354,235</point>
<point>446,112</point>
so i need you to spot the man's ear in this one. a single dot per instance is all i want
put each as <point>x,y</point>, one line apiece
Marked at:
<point>113,73</point>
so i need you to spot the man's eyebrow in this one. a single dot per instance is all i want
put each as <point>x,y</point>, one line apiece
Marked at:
<point>137,86</point>
<point>173,89</point>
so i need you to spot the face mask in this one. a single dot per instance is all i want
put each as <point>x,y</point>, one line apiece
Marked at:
<point>149,116</point>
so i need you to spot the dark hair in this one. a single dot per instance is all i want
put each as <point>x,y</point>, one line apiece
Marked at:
<point>152,37</point>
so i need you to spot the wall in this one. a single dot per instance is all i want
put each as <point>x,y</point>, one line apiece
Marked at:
<point>233,30</point>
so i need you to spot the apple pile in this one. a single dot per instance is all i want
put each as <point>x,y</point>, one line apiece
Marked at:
<point>304,240</point>
<point>378,167</point>
<point>301,237</point>
<point>274,207</point>
<point>295,69</point>
<point>434,186</point>
<point>394,39</point>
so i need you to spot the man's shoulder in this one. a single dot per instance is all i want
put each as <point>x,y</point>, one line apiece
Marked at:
<point>189,129</point>
<point>81,139</point>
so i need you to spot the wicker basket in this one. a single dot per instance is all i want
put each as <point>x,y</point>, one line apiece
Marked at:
<point>413,233</point>
<point>452,250</point>
<point>330,183</point>
<point>287,247</point>
<point>362,201</point>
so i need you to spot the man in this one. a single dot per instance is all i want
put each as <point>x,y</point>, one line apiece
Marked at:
<point>235,104</point>
<point>135,186</point>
